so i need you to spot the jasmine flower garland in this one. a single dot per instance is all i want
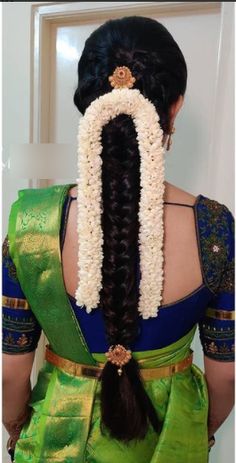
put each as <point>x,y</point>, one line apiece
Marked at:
<point>89,198</point>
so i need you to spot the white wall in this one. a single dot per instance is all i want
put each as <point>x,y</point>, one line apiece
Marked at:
<point>16,51</point>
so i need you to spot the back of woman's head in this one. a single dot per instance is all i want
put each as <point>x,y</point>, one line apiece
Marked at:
<point>155,60</point>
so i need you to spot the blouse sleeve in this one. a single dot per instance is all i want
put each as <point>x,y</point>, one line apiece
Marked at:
<point>21,330</point>
<point>216,329</point>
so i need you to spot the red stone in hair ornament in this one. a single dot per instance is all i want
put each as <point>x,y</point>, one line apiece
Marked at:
<point>119,356</point>
<point>121,78</point>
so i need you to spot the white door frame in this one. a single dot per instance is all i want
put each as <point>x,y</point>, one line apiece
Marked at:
<point>45,16</point>
<point>43,19</point>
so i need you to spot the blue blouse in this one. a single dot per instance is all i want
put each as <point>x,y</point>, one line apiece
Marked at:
<point>211,305</point>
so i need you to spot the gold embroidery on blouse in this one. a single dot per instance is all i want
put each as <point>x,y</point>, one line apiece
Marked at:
<point>14,303</point>
<point>8,262</point>
<point>23,340</point>
<point>9,339</point>
<point>5,247</point>
<point>227,283</point>
<point>220,351</point>
<point>220,314</point>
<point>224,349</point>
<point>212,347</point>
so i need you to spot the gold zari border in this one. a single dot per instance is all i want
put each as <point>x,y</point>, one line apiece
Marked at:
<point>220,314</point>
<point>14,303</point>
<point>78,369</point>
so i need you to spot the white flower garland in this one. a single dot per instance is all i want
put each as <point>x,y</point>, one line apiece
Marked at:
<point>89,198</point>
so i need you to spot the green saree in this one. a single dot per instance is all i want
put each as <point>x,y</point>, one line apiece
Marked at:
<point>65,422</point>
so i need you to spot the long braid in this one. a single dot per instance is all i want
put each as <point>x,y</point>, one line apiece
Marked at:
<point>119,295</point>
<point>156,61</point>
<point>120,179</point>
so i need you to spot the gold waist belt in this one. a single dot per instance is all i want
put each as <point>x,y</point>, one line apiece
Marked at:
<point>79,369</point>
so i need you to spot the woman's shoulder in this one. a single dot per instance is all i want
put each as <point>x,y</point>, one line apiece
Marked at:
<point>46,190</point>
<point>175,194</point>
<point>215,228</point>
<point>44,198</point>
<point>36,209</point>
<point>212,208</point>
<point>215,215</point>
<point>214,222</point>
<point>73,190</point>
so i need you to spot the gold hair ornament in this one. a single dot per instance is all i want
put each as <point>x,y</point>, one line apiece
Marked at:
<point>118,355</point>
<point>89,198</point>
<point>121,78</point>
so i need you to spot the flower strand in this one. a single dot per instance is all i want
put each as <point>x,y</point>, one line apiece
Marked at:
<point>89,198</point>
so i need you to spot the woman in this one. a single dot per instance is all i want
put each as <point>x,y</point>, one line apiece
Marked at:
<point>118,382</point>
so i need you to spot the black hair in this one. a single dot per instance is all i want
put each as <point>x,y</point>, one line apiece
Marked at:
<point>157,63</point>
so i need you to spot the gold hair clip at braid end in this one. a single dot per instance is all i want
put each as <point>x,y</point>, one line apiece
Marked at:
<point>119,356</point>
<point>122,78</point>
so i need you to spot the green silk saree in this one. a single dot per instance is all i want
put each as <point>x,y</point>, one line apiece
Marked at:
<point>65,422</point>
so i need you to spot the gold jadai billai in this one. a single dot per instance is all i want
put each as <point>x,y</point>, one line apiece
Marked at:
<point>121,77</point>
<point>119,356</point>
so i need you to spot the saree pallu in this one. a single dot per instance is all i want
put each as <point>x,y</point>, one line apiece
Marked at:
<point>65,422</point>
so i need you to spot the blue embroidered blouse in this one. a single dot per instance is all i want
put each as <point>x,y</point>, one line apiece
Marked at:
<point>211,304</point>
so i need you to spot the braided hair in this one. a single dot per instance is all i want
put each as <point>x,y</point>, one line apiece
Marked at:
<point>156,61</point>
